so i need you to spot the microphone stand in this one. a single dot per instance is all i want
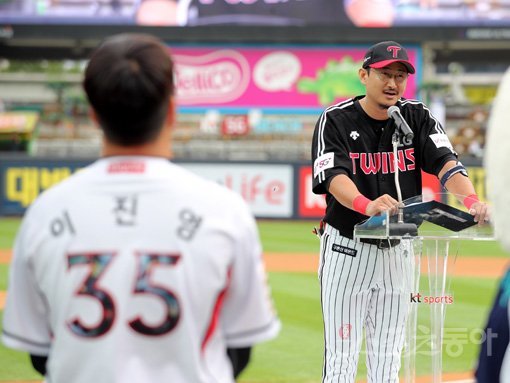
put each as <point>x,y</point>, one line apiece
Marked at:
<point>400,229</point>
<point>395,140</point>
<point>406,230</point>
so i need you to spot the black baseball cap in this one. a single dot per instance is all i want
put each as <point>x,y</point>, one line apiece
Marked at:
<point>385,53</point>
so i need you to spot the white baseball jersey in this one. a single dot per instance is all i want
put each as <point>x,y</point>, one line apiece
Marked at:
<point>136,270</point>
<point>497,157</point>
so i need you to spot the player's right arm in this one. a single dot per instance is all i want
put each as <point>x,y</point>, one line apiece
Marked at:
<point>330,152</point>
<point>345,191</point>
<point>25,323</point>
<point>332,166</point>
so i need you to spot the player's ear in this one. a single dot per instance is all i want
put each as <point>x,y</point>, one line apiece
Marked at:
<point>363,75</point>
<point>172,113</point>
<point>93,116</point>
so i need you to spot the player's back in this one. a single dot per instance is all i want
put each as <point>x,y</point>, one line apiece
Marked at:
<point>133,259</point>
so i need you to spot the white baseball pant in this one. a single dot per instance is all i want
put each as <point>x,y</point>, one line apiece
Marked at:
<point>363,287</point>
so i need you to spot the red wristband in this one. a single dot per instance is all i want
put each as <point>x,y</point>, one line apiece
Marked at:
<point>470,200</point>
<point>360,204</point>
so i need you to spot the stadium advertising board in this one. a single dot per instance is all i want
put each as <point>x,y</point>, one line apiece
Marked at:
<point>477,176</point>
<point>272,190</point>
<point>23,181</point>
<point>267,188</point>
<point>277,77</point>
<point>310,205</point>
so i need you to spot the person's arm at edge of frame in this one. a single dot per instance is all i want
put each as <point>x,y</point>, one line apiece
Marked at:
<point>239,357</point>
<point>462,188</point>
<point>39,363</point>
<point>345,191</point>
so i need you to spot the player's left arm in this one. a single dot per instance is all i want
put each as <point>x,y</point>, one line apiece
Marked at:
<point>239,357</point>
<point>438,157</point>
<point>454,178</point>
<point>39,363</point>
<point>248,316</point>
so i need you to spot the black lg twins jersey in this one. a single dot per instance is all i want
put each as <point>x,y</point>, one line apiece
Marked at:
<point>347,141</point>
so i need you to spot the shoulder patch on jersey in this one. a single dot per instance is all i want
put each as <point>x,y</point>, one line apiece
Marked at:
<point>322,163</point>
<point>441,140</point>
<point>344,250</point>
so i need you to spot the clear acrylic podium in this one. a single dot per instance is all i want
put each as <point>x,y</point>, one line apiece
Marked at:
<point>431,229</point>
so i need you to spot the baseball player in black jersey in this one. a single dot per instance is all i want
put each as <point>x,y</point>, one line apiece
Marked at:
<point>363,284</point>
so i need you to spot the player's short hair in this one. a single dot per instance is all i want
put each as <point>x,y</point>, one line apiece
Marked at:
<point>129,81</point>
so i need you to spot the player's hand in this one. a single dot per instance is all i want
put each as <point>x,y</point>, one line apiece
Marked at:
<point>382,204</point>
<point>480,211</point>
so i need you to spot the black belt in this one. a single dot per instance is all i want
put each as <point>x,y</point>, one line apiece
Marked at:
<point>381,243</point>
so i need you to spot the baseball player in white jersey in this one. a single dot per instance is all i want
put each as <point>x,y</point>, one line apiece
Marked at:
<point>134,269</point>
<point>364,284</point>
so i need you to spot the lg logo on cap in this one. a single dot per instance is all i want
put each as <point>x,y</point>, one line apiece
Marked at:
<point>394,50</point>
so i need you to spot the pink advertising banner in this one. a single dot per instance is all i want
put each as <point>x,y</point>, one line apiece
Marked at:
<point>276,77</point>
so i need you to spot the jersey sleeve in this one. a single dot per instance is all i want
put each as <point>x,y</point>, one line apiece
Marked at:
<point>248,315</point>
<point>329,153</point>
<point>25,322</point>
<point>436,148</point>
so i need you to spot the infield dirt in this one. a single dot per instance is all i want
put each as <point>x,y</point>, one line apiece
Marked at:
<point>484,267</point>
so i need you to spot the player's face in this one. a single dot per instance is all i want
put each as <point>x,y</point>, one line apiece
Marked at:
<point>386,85</point>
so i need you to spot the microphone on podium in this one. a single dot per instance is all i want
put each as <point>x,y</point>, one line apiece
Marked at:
<point>395,115</point>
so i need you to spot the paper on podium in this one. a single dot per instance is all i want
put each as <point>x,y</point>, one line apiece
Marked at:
<point>438,213</point>
<point>432,218</point>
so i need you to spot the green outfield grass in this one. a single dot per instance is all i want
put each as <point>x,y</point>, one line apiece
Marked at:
<point>15,365</point>
<point>8,228</point>
<point>3,277</point>
<point>296,355</point>
<point>288,237</point>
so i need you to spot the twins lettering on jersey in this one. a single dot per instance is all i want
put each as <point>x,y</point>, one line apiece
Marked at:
<point>370,163</point>
<point>373,163</point>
